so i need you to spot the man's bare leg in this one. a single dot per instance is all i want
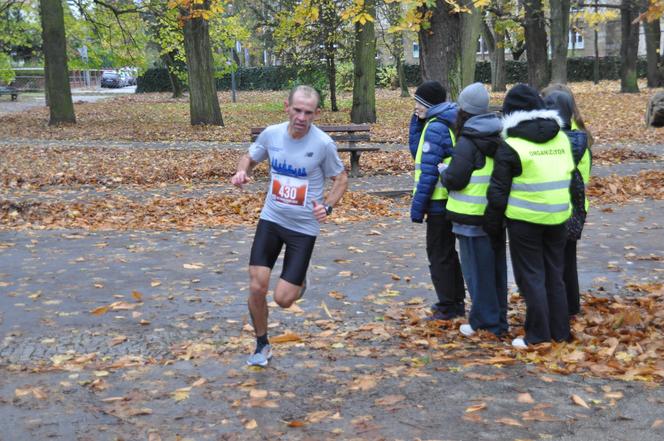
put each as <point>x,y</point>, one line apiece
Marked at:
<point>286,293</point>
<point>259,279</point>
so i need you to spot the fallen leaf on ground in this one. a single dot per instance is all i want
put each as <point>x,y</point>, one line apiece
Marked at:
<point>389,400</point>
<point>476,407</point>
<point>579,401</point>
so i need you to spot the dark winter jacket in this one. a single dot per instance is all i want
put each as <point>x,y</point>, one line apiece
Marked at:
<point>479,138</point>
<point>538,126</point>
<point>438,146</point>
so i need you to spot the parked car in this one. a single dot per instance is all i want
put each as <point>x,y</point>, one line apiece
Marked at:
<point>113,79</point>
<point>131,74</point>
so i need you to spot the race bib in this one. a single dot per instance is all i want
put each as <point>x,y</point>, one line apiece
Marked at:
<point>289,190</point>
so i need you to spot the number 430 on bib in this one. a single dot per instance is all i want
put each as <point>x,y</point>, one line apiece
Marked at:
<point>289,190</point>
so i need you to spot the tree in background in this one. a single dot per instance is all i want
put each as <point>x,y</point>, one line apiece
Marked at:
<point>442,29</point>
<point>314,30</point>
<point>629,46</point>
<point>194,19</point>
<point>20,30</point>
<point>501,26</point>
<point>364,61</point>
<point>113,34</point>
<point>653,11</point>
<point>392,38</point>
<point>560,13</point>
<point>58,91</point>
<point>536,43</point>
<point>593,15</point>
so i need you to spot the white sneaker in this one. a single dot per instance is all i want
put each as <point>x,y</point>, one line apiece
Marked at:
<point>261,358</point>
<point>519,343</point>
<point>466,330</point>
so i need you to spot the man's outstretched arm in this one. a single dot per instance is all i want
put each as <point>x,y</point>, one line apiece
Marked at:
<point>244,168</point>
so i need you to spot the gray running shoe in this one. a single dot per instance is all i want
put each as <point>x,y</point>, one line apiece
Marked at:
<point>261,358</point>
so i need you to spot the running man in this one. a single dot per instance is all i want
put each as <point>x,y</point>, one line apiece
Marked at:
<point>301,157</point>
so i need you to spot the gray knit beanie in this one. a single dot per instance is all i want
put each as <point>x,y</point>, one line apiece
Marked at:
<point>474,99</point>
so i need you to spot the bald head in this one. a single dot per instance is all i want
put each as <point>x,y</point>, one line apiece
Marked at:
<point>306,91</point>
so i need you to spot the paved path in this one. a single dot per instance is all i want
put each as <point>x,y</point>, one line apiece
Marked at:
<point>179,293</point>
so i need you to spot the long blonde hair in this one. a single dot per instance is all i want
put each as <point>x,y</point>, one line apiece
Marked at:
<point>578,119</point>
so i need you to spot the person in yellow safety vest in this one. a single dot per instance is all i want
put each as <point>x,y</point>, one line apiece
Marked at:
<point>484,264</point>
<point>530,187</point>
<point>431,142</point>
<point>564,104</point>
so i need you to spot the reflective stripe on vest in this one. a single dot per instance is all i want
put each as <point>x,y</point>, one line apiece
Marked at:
<point>439,192</point>
<point>584,169</point>
<point>471,200</point>
<point>540,195</point>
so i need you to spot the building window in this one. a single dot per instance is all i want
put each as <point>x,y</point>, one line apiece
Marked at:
<point>416,50</point>
<point>575,40</point>
<point>482,48</point>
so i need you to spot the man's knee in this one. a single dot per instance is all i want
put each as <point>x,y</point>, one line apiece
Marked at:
<point>259,280</point>
<point>284,301</point>
<point>258,287</point>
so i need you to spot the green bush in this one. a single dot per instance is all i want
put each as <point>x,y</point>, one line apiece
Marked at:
<point>283,77</point>
<point>344,77</point>
<point>154,80</point>
<point>387,77</point>
<point>7,74</point>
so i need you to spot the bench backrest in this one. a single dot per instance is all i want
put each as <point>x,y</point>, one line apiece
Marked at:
<point>348,133</point>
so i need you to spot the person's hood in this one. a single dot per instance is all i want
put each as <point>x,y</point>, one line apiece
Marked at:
<point>538,126</point>
<point>563,104</point>
<point>446,112</point>
<point>484,129</point>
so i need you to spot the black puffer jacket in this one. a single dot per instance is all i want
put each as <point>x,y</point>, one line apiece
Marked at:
<point>479,138</point>
<point>538,126</point>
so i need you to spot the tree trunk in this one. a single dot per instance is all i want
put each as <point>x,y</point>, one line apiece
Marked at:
<point>596,60</point>
<point>61,107</point>
<point>536,44</point>
<point>440,49</point>
<point>629,46</point>
<point>364,77</point>
<point>559,39</point>
<point>496,45</point>
<point>470,34</point>
<point>396,46</point>
<point>203,100</point>
<point>653,50</point>
<point>401,72</point>
<point>176,84</point>
<point>331,76</point>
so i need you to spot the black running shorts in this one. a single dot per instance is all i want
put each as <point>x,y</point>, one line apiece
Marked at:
<point>269,239</point>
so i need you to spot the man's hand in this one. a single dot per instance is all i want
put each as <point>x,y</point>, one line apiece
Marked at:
<point>319,212</point>
<point>240,178</point>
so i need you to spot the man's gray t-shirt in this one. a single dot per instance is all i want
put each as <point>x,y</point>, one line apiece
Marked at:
<point>298,168</point>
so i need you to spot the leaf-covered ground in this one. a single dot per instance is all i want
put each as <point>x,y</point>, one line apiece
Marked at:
<point>37,167</point>
<point>611,116</point>
<point>124,287</point>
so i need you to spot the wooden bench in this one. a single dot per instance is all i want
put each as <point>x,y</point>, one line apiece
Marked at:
<point>349,134</point>
<point>6,90</point>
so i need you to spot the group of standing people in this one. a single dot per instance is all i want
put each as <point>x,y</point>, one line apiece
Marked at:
<point>478,176</point>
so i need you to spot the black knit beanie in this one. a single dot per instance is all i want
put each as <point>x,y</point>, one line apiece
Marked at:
<point>430,93</point>
<point>522,97</point>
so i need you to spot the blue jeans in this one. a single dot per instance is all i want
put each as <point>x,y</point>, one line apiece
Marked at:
<point>485,272</point>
